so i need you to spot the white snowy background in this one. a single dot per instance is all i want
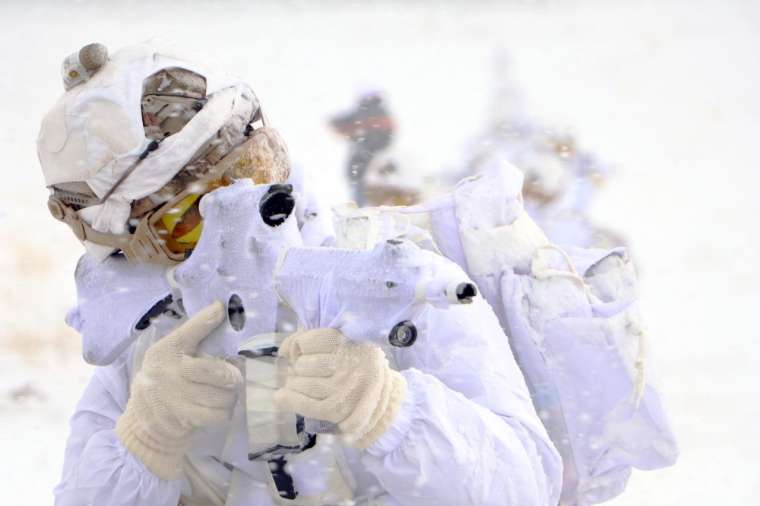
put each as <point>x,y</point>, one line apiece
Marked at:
<point>668,91</point>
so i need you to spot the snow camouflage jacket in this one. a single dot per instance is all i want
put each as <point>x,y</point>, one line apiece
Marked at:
<point>571,317</point>
<point>467,414</point>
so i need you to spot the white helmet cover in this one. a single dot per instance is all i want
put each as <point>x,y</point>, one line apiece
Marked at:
<point>95,133</point>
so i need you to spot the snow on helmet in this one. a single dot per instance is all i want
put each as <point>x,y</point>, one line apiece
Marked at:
<point>135,141</point>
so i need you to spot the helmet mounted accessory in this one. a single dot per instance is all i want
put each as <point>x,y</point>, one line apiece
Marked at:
<point>171,97</point>
<point>80,66</point>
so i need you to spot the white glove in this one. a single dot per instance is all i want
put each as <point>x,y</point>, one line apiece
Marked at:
<point>349,384</point>
<point>175,392</point>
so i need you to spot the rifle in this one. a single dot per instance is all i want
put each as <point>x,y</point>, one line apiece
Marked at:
<point>246,228</point>
<point>251,257</point>
<point>372,295</point>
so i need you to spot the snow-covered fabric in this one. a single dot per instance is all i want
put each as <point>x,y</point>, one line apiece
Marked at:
<point>113,296</point>
<point>574,328</point>
<point>236,255</point>
<point>579,340</point>
<point>365,294</point>
<point>582,346</point>
<point>571,317</point>
<point>467,415</point>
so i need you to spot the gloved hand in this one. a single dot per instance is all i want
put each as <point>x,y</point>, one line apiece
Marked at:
<point>174,393</point>
<point>349,384</point>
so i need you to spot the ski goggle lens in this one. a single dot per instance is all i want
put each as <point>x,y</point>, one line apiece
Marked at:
<point>179,222</point>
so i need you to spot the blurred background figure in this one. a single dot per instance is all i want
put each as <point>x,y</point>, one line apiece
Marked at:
<point>369,129</point>
<point>561,179</point>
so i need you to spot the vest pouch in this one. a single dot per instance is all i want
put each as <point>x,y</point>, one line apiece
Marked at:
<point>583,358</point>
